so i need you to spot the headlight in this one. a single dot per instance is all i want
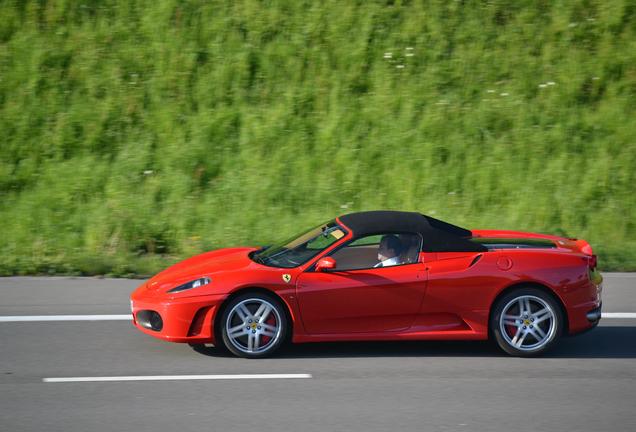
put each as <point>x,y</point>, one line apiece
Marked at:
<point>192,284</point>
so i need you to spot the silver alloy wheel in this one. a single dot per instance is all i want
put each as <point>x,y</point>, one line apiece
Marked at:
<point>527,323</point>
<point>253,325</point>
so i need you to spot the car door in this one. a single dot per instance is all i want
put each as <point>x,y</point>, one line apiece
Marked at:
<point>350,299</point>
<point>460,288</point>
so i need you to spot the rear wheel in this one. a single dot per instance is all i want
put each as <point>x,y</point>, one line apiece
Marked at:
<point>253,325</point>
<point>526,322</point>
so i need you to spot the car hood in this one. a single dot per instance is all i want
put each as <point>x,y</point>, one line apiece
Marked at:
<point>210,264</point>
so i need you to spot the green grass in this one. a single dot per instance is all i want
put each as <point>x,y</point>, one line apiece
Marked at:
<point>136,133</point>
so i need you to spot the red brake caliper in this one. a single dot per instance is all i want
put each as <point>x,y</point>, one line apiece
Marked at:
<point>271,321</point>
<point>512,330</point>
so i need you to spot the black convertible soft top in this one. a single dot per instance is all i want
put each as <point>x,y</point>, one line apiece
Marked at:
<point>438,236</point>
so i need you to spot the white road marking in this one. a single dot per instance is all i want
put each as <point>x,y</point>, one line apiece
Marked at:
<point>24,318</point>
<point>619,275</point>
<point>128,317</point>
<point>618,315</point>
<point>176,377</point>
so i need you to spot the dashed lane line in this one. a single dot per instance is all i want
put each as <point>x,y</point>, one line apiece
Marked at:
<point>175,378</point>
<point>27,318</point>
<point>619,315</point>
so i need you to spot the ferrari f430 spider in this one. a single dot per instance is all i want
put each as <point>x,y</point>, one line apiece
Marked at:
<point>378,275</point>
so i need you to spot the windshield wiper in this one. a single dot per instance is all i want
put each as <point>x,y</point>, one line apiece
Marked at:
<point>257,258</point>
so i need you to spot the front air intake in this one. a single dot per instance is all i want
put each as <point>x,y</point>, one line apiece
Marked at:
<point>149,319</point>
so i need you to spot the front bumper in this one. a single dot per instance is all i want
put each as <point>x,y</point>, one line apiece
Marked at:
<point>187,320</point>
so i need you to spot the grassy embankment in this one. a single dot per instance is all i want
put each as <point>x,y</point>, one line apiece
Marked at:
<point>135,133</point>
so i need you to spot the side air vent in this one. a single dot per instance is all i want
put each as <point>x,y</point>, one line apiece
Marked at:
<point>475,260</point>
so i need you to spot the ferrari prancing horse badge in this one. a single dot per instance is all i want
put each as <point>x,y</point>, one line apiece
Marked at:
<point>286,277</point>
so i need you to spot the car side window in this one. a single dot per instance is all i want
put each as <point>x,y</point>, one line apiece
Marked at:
<point>378,250</point>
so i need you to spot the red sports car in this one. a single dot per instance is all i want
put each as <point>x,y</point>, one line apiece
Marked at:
<point>378,275</point>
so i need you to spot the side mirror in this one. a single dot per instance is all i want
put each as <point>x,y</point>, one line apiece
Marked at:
<point>326,263</point>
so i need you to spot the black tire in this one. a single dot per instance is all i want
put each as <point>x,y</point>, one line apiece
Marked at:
<point>256,338</point>
<point>524,334</point>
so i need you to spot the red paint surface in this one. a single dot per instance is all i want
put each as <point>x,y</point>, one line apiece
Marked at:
<point>445,296</point>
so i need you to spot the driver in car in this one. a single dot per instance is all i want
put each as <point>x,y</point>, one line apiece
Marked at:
<point>389,251</point>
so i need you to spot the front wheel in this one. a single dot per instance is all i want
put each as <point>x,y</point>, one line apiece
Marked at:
<point>526,322</point>
<point>253,325</point>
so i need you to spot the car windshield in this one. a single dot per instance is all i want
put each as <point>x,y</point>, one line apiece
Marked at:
<point>300,248</point>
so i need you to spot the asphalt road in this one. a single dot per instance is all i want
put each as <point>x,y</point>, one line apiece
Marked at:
<point>587,384</point>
